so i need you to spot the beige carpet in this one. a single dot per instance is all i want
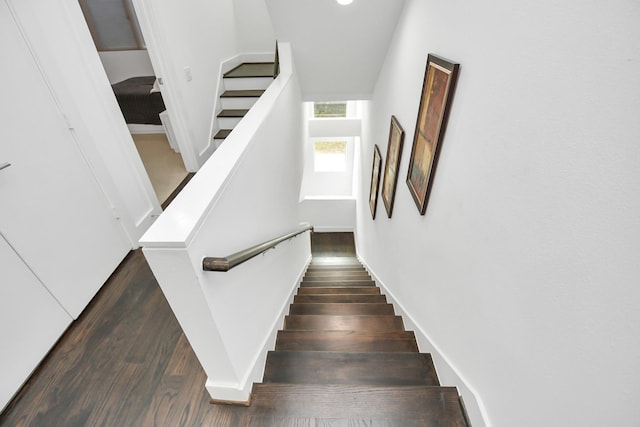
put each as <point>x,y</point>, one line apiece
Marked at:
<point>164,166</point>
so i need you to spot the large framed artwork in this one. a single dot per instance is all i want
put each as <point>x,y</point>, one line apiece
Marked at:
<point>437,92</point>
<point>391,165</point>
<point>375,181</point>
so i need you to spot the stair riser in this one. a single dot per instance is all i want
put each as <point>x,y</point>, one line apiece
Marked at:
<point>338,284</point>
<point>342,309</point>
<point>228,122</point>
<point>362,290</point>
<point>316,269</point>
<point>336,277</point>
<point>324,299</point>
<point>343,323</point>
<point>397,341</point>
<point>347,344</point>
<point>247,83</point>
<point>237,103</point>
<point>347,273</point>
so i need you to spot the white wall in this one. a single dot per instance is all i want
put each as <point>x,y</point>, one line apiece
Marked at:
<point>329,214</point>
<point>241,197</point>
<point>198,36</point>
<point>122,64</point>
<point>253,26</point>
<point>523,273</point>
<point>335,183</point>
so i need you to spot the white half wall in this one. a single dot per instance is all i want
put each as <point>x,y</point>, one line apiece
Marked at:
<point>241,197</point>
<point>523,272</point>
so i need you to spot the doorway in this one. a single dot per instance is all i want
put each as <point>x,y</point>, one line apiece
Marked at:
<point>120,45</point>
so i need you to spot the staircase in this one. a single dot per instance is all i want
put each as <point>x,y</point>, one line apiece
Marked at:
<point>345,359</point>
<point>243,85</point>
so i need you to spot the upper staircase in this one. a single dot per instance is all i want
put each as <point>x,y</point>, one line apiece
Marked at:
<point>243,85</point>
<point>344,358</point>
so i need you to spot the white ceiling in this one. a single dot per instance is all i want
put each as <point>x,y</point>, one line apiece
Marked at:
<point>338,50</point>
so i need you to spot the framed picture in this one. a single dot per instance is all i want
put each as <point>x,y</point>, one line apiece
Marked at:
<point>375,180</point>
<point>437,92</point>
<point>391,165</point>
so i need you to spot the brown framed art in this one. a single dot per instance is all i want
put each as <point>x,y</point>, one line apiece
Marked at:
<point>392,164</point>
<point>437,92</point>
<point>375,181</point>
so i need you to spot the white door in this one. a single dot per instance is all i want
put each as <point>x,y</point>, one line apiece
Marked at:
<point>52,210</point>
<point>30,322</point>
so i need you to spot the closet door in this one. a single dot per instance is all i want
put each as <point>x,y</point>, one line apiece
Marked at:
<point>31,321</point>
<point>53,210</point>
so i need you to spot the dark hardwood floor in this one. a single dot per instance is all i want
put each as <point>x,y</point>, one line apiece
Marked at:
<point>124,362</point>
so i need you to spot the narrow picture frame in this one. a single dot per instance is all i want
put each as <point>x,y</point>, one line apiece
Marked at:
<point>375,180</point>
<point>435,103</point>
<point>392,165</point>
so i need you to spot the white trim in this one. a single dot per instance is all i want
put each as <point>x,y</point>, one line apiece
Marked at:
<point>474,405</point>
<point>333,229</point>
<point>137,129</point>
<point>155,39</point>
<point>241,392</point>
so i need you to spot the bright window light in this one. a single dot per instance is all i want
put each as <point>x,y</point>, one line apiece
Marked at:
<point>329,109</point>
<point>330,156</point>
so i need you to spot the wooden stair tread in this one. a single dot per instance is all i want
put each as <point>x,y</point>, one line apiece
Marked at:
<point>344,298</point>
<point>336,273</point>
<point>341,308</point>
<point>360,290</point>
<point>251,69</point>
<point>336,261</point>
<point>331,265</point>
<point>354,267</point>
<point>326,367</point>
<point>314,277</point>
<point>233,113</point>
<point>438,406</point>
<point>343,323</point>
<point>400,341</point>
<point>337,283</point>
<point>222,133</point>
<point>338,278</point>
<point>249,93</point>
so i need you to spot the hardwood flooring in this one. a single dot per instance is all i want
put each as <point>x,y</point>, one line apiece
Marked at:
<point>126,362</point>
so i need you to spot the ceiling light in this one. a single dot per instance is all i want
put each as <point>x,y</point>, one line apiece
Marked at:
<point>344,2</point>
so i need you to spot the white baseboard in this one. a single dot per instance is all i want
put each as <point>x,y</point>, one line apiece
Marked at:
<point>241,393</point>
<point>137,128</point>
<point>332,229</point>
<point>448,374</point>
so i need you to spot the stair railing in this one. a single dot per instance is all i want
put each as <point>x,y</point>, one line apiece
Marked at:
<point>230,261</point>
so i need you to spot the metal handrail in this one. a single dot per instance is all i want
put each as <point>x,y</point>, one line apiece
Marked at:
<point>230,261</point>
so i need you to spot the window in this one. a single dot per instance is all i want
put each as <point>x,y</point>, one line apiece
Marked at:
<point>329,109</point>
<point>330,156</point>
<point>113,24</point>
